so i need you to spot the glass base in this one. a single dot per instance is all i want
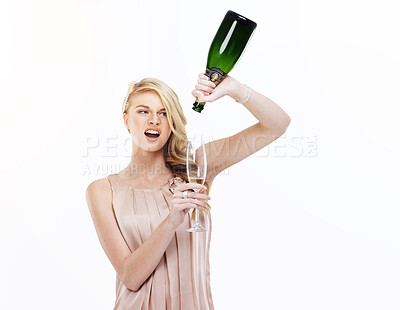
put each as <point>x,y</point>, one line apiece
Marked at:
<point>196,228</point>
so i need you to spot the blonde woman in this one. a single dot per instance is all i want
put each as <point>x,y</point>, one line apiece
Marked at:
<point>141,213</point>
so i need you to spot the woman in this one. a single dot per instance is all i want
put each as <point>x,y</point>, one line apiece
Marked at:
<point>141,213</point>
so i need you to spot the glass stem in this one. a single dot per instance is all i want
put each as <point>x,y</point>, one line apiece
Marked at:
<point>197,217</point>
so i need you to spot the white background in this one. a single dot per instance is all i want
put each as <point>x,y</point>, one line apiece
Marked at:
<point>310,222</point>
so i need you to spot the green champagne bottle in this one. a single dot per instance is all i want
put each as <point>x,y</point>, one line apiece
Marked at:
<point>225,50</point>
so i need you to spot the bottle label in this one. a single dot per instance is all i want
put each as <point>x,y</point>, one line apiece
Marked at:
<point>216,75</point>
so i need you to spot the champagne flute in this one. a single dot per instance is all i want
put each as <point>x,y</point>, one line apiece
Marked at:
<point>196,168</point>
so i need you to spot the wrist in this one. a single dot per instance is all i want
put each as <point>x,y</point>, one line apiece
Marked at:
<point>238,92</point>
<point>171,223</point>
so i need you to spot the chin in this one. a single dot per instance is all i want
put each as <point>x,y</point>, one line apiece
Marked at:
<point>154,148</point>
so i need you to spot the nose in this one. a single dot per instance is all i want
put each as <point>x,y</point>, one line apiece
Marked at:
<point>154,120</point>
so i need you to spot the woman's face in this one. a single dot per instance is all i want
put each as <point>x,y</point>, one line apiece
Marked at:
<point>145,113</point>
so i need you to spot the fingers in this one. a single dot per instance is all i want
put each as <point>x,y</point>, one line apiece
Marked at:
<point>206,91</point>
<point>206,82</point>
<point>194,204</point>
<point>189,203</point>
<point>193,199</point>
<point>199,196</point>
<point>203,83</point>
<point>205,88</point>
<point>193,190</point>
<point>186,186</point>
<point>192,195</point>
<point>203,76</point>
<point>200,95</point>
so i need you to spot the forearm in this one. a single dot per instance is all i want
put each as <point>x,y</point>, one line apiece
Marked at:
<point>270,115</point>
<point>139,265</point>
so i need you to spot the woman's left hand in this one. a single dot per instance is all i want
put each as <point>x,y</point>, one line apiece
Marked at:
<point>205,90</point>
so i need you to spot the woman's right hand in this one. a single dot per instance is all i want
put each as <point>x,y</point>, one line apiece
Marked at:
<point>181,206</point>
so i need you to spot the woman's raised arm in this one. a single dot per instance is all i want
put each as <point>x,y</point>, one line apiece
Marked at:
<point>273,122</point>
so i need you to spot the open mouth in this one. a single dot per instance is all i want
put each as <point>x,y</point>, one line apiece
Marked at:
<point>152,134</point>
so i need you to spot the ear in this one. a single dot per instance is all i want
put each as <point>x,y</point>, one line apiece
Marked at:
<point>125,116</point>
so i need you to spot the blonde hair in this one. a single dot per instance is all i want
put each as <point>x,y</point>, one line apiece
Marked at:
<point>174,150</point>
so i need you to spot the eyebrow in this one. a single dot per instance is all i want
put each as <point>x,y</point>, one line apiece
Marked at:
<point>145,106</point>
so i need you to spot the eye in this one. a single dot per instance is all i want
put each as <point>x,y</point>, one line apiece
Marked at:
<point>164,113</point>
<point>140,112</point>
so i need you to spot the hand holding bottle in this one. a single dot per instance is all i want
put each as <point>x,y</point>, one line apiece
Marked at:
<point>206,91</point>
<point>229,43</point>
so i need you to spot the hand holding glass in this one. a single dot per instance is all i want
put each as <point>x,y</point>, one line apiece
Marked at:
<point>196,168</point>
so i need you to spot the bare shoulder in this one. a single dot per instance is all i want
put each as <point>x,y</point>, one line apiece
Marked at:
<point>99,194</point>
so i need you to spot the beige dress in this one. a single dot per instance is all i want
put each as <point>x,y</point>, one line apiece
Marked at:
<point>181,280</point>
